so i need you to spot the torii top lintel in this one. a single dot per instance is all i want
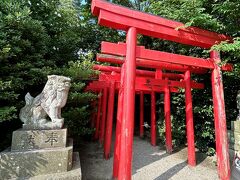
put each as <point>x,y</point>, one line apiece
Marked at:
<point>119,17</point>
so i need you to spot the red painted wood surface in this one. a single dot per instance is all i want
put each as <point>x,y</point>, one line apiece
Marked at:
<point>189,120</point>
<point>151,64</point>
<point>153,119</point>
<point>160,75</point>
<point>141,114</point>
<point>138,72</point>
<point>120,50</point>
<point>109,122</point>
<point>118,70</point>
<point>118,124</point>
<point>95,86</point>
<point>100,139</point>
<point>220,120</point>
<point>171,83</point>
<point>103,119</point>
<point>142,81</point>
<point>96,135</point>
<point>167,115</point>
<point>120,17</point>
<point>127,124</point>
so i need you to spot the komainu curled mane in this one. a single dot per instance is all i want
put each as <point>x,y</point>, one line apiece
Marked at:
<point>48,103</point>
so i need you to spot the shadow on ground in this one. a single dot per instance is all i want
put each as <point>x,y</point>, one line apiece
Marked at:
<point>172,171</point>
<point>148,163</point>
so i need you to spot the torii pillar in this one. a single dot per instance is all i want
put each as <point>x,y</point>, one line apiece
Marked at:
<point>118,124</point>
<point>109,122</point>
<point>99,109</point>
<point>220,119</point>
<point>127,121</point>
<point>189,120</point>
<point>141,114</point>
<point>153,118</point>
<point>167,115</point>
<point>104,111</point>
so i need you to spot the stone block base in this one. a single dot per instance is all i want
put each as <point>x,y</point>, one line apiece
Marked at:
<point>35,162</point>
<point>231,155</point>
<point>235,173</point>
<point>235,147</point>
<point>23,140</point>
<point>74,174</point>
<point>234,140</point>
<point>235,126</point>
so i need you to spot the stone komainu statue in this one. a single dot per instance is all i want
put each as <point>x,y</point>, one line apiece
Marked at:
<point>48,103</point>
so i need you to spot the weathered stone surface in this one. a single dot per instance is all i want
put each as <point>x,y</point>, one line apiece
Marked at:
<point>235,173</point>
<point>238,104</point>
<point>235,147</point>
<point>232,154</point>
<point>35,162</point>
<point>74,174</point>
<point>23,140</point>
<point>234,137</point>
<point>48,103</point>
<point>235,126</point>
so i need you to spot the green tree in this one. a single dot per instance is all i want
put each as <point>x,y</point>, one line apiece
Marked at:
<point>22,48</point>
<point>77,112</point>
<point>38,38</point>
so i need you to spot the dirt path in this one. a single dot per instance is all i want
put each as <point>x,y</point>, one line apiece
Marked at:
<point>148,163</point>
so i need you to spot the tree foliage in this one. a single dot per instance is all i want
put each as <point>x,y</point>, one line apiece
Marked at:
<point>22,47</point>
<point>38,38</point>
<point>78,110</point>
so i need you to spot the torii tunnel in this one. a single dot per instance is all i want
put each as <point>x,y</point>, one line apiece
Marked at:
<point>127,80</point>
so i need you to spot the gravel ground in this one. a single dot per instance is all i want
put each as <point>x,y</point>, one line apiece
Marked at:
<point>148,163</point>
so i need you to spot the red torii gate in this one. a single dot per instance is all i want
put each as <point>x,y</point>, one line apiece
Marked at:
<point>142,84</point>
<point>145,84</point>
<point>190,129</point>
<point>134,22</point>
<point>152,85</point>
<point>144,73</point>
<point>195,65</point>
<point>119,51</point>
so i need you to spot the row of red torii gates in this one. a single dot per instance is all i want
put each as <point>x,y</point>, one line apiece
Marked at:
<point>127,81</point>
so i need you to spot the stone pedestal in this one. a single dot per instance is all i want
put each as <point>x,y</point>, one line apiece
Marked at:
<point>234,135</point>
<point>234,148</point>
<point>234,139</point>
<point>38,153</point>
<point>235,126</point>
<point>23,140</point>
